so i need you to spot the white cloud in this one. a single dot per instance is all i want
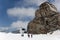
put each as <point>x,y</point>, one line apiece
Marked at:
<point>36,2</point>
<point>19,24</point>
<point>29,2</point>
<point>57,4</point>
<point>21,12</point>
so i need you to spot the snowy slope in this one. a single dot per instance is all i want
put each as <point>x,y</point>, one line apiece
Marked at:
<point>10,36</point>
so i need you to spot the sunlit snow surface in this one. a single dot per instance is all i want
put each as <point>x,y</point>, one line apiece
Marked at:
<point>11,36</point>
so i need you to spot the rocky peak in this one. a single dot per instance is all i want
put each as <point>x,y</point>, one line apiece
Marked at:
<point>45,21</point>
<point>47,5</point>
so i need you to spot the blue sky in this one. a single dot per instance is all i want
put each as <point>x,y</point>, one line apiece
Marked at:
<point>4,5</point>
<point>14,13</point>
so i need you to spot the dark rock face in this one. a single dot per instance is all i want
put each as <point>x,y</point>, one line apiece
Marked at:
<point>46,20</point>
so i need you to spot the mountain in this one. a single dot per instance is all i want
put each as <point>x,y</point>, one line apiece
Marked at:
<point>16,31</point>
<point>46,20</point>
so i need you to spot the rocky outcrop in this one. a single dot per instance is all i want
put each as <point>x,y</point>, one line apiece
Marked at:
<point>46,20</point>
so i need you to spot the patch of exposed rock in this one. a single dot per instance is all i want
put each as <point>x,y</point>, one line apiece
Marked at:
<point>46,20</point>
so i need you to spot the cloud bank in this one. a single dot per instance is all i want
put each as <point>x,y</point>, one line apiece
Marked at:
<point>19,24</point>
<point>36,2</point>
<point>21,12</point>
<point>29,3</point>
